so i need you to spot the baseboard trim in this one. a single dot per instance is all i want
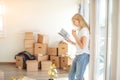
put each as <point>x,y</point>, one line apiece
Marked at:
<point>7,62</point>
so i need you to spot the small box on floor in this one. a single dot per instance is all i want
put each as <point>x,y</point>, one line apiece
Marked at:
<point>68,68</point>
<point>55,60</point>
<point>45,65</point>
<point>19,62</point>
<point>65,61</point>
<point>32,65</point>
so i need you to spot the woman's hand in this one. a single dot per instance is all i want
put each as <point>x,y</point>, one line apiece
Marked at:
<point>74,33</point>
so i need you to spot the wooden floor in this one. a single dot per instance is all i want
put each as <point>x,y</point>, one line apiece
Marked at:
<point>10,70</point>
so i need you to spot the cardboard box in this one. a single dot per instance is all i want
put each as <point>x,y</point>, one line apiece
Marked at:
<point>41,58</point>
<point>52,51</point>
<point>68,68</point>
<point>65,61</point>
<point>32,65</point>
<point>1,75</point>
<point>42,38</point>
<point>19,62</point>
<point>40,48</point>
<point>55,60</point>
<point>45,65</point>
<point>62,48</point>
<point>29,43</point>
<point>30,50</point>
<point>29,35</point>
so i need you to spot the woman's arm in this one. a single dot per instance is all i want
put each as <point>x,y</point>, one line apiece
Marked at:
<point>82,41</point>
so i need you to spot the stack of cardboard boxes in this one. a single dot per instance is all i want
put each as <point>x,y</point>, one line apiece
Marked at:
<point>59,56</point>
<point>28,44</point>
<point>41,50</point>
<point>44,55</point>
<point>53,53</point>
<point>29,41</point>
<point>66,61</point>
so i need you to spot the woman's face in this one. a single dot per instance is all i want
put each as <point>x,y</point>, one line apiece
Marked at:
<point>76,22</point>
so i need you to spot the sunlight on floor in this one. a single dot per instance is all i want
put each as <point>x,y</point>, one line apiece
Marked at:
<point>86,74</point>
<point>62,78</point>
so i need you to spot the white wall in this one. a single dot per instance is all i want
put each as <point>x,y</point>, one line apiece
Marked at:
<point>43,16</point>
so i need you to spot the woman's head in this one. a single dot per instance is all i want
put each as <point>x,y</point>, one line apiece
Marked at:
<point>79,21</point>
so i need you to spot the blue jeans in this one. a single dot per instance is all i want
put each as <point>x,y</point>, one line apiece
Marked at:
<point>78,67</point>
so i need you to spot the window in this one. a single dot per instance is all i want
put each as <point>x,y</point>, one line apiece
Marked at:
<point>100,44</point>
<point>2,29</point>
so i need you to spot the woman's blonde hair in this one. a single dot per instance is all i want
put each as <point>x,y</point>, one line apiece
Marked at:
<point>81,20</point>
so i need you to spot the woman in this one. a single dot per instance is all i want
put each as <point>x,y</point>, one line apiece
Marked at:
<point>81,36</point>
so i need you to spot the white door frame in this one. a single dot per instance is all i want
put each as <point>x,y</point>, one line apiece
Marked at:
<point>92,37</point>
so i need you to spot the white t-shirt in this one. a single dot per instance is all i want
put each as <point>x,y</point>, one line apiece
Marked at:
<point>80,33</point>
